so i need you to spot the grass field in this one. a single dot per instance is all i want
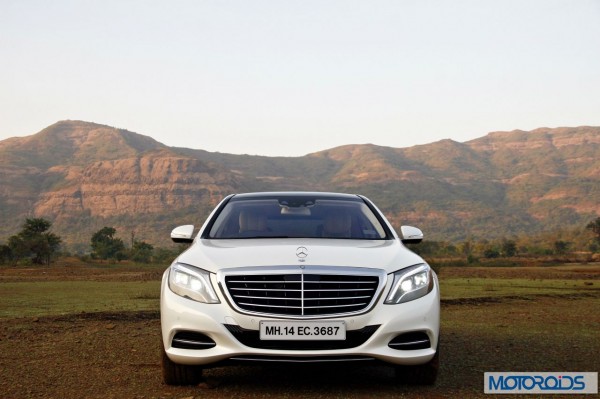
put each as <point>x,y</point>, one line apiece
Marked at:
<point>52,298</point>
<point>110,288</point>
<point>457,288</point>
<point>75,331</point>
<point>76,288</point>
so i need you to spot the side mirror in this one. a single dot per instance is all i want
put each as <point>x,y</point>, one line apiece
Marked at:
<point>411,235</point>
<point>183,234</point>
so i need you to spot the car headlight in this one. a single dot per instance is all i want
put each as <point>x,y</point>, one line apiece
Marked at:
<point>410,283</point>
<point>191,282</point>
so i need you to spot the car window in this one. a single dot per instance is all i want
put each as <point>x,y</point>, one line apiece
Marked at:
<point>291,217</point>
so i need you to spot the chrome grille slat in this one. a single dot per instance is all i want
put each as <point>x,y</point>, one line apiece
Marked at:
<point>303,293</point>
<point>264,282</point>
<point>262,289</point>
<point>341,282</point>
<point>270,306</point>
<point>341,289</point>
<point>286,298</point>
<point>335,306</point>
<point>334,298</point>
<point>292,281</point>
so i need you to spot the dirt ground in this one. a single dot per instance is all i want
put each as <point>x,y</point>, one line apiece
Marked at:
<point>116,355</point>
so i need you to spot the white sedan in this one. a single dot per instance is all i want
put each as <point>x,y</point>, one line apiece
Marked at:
<point>298,277</point>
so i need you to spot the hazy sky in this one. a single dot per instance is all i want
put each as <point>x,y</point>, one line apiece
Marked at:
<point>285,77</point>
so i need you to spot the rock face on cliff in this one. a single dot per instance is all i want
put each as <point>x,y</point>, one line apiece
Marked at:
<point>78,169</point>
<point>83,176</point>
<point>109,172</point>
<point>151,183</point>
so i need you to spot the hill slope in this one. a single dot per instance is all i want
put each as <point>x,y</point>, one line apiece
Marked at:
<point>83,176</point>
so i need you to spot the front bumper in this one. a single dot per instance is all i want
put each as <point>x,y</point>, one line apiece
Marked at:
<point>222,324</point>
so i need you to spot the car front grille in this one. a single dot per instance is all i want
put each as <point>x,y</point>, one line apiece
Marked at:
<point>303,294</point>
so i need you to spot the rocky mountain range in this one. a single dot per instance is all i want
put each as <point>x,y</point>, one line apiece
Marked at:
<point>84,176</point>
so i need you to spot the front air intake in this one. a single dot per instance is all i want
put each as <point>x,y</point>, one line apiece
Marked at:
<point>411,341</point>
<point>192,340</point>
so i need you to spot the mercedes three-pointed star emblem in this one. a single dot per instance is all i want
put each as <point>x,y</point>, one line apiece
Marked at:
<point>301,253</point>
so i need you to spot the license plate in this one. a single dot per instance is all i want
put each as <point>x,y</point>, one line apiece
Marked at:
<point>303,330</point>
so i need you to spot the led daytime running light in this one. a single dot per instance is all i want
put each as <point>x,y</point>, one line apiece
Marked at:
<point>192,283</point>
<point>410,283</point>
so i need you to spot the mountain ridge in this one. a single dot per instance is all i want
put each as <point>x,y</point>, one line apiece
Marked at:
<point>83,175</point>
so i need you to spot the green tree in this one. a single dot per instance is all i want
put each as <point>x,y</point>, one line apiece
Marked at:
<point>165,256</point>
<point>466,248</point>
<point>34,241</point>
<point>509,247</point>
<point>491,253</point>
<point>594,225</point>
<point>561,247</point>
<point>5,253</point>
<point>106,246</point>
<point>141,252</point>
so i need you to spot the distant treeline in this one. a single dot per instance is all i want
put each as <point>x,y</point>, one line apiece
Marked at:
<point>578,245</point>
<point>35,244</point>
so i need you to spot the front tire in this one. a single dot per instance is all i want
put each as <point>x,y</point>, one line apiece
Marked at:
<point>179,374</point>
<point>423,374</point>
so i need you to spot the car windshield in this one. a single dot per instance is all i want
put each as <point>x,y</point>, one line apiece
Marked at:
<point>305,217</point>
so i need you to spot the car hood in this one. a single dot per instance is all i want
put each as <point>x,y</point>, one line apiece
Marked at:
<point>214,255</point>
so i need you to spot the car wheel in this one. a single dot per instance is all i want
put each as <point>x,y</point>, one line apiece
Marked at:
<point>424,374</point>
<point>179,374</point>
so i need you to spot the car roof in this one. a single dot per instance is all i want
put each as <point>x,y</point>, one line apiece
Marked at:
<point>279,194</point>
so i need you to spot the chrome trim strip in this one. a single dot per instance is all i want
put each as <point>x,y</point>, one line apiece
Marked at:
<point>302,291</point>
<point>190,342</point>
<point>400,344</point>
<point>300,360</point>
